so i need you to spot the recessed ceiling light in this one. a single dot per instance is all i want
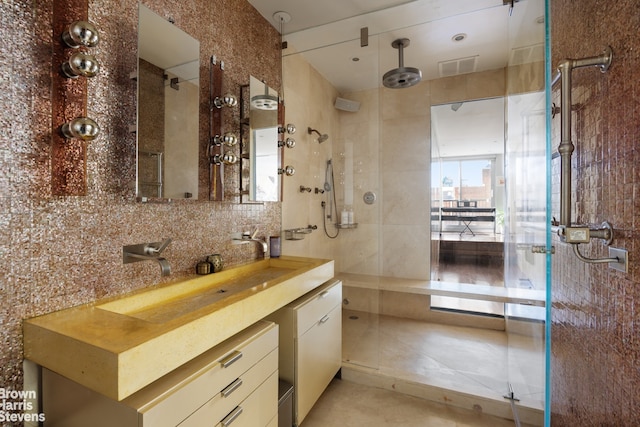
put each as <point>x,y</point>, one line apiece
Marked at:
<point>355,59</point>
<point>459,37</point>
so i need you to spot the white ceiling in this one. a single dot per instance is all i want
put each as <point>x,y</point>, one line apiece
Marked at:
<point>327,33</point>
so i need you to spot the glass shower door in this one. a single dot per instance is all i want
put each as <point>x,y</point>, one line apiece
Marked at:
<point>527,215</point>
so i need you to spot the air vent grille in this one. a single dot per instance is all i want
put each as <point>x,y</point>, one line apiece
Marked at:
<point>458,66</point>
<point>527,54</point>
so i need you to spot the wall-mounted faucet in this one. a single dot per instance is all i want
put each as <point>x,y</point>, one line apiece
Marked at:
<point>145,252</point>
<point>247,237</point>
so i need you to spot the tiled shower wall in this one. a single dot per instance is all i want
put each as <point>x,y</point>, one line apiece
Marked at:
<point>596,310</point>
<point>390,136</point>
<point>57,252</point>
<point>309,101</point>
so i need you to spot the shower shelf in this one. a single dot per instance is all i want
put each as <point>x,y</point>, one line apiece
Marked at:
<point>298,233</point>
<point>354,225</point>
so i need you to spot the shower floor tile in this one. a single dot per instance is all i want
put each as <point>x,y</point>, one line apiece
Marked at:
<point>347,404</point>
<point>475,361</point>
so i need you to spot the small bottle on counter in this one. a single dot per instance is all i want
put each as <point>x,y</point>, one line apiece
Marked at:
<point>274,246</point>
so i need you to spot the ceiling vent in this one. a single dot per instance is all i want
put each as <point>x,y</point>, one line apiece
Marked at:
<point>527,54</point>
<point>458,66</point>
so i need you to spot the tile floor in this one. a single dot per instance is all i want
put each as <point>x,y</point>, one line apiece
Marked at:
<point>453,357</point>
<point>347,404</point>
<point>465,360</point>
<point>464,367</point>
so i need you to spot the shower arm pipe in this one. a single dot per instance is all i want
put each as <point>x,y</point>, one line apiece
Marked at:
<point>583,258</point>
<point>566,147</point>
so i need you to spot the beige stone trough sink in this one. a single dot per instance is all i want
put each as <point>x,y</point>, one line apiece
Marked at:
<point>118,346</point>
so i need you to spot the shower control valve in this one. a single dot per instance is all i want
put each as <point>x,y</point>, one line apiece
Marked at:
<point>574,234</point>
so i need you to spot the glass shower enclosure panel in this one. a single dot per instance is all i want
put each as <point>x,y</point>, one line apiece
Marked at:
<point>367,154</point>
<point>527,216</point>
<point>353,150</point>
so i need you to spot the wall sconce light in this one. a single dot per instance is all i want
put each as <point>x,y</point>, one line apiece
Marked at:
<point>71,59</point>
<point>227,158</point>
<point>80,64</point>
<point>225,101</point>
<point>289,143</point>
<point>290,129</point>
<point>82,128</point>
<point>229,139</point>
<point>81,33</point>
<point>288,171</point>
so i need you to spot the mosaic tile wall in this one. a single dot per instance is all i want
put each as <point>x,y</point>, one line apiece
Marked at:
<point>596,311</point>
<point>57,252</point>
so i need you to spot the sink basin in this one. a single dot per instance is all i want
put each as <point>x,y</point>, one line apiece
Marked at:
<point>174,301</point>
<point>119,346</point>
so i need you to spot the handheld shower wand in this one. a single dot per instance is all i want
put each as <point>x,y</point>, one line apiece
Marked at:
<point>331,199</point>
<point>328,186</point>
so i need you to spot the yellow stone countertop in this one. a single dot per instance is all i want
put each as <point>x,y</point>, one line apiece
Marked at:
<point>118,346</point>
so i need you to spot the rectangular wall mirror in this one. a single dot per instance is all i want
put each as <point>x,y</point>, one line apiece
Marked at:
<point>260,152</point>
<point>168,109</point>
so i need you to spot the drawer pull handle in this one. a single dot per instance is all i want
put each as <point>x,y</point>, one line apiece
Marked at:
<point>231,387</point>
<point>323,294</point>
<point>324,319</point>
<point>231,359</point>
<point>232,416</point>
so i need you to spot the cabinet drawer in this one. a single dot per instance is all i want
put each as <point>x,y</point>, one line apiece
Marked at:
<point>235,393</point>
<point>172,398</point>
<point>204,378</point>
<point>256,410</point>
<point>273,422</point>
<point>313,307</point>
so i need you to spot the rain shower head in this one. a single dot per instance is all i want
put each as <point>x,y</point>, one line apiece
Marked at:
<point>265,101</point>
<point>322,137</point>
<point>402,76</point>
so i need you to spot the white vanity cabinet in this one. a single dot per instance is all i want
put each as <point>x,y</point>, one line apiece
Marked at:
<point>235,384</point>
<point>310,344</point>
